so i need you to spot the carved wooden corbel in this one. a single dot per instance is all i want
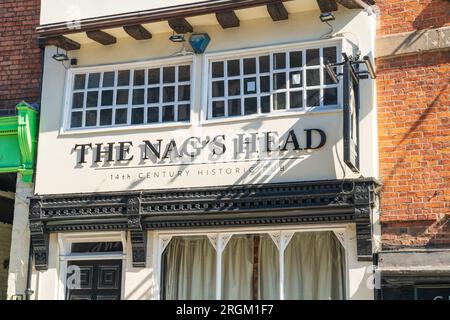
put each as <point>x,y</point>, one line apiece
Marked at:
<point>137,233</point>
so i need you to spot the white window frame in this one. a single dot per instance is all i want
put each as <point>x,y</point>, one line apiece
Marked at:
<point>206,112</point>
<point>65,241</point>
<point>222,236</point>
<point>157,63</point>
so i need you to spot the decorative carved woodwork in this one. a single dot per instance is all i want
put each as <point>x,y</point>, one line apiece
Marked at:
<point>331,201</point>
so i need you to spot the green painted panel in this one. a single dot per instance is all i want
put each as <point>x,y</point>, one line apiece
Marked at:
<point>18,137</point>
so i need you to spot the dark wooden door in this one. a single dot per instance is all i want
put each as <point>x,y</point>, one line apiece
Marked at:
<point>99,280</point>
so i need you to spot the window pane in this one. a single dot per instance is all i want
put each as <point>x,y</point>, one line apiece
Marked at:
<point>296,99</point>
<point>153,95</point>
<point>77,101</point>
<point>168,114</point>
<point>265,83</point>
<point>330,96</point>
<point>189,265</point>
<point>250,268</point>
<point>279,60</point>
<point>168,94</point>
<point>234,87</point>
<point>313,77</point>
<point>218,109</point>
<point>121,116</point>
<point>218,89</point>
<point>265,104</point>
<point>122,96</point>
<point>91,118</point>
<point>296,79</point>
<point>138,96</point>
<point>249,85</point>
<point>313,98</point>
<point>107,98</point>
<point>92,99</point>
<point>153,76</point>
<point>184,112</point>
<point>184,93</point>
<point>169,75</point>
<point>295,59</point>
<point>329,55</point>
<point>279,81</point>
<point>79,81</point>
<point>250,106</point>
<point>312,57</point>
<point>250,66</point>
<point>75,120</point>
<point>108,79</point>
<point>234,107</point>
<point>137,115</point>
<point>94,80</point>
<point>184,73</point>
<point>314,267</point>
<point>123,78</point>
<point>264,64</point>
<point>233,68</point>
<point>139,77</point>
<point>106,117</point>
<point>217,69</point>
<point>327,78</point>
<point>279,101</point>
<point>152,115</point>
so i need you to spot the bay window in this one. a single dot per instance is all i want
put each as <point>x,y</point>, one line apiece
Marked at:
<point>271,81</point>
<point>255,266</point>
<point>130,96</point>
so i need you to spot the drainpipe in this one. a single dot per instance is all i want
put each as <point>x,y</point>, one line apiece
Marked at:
<point>28,291</point>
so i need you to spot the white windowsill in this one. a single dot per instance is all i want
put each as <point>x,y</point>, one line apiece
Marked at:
<point>283,114</point>
<point>123,129</point>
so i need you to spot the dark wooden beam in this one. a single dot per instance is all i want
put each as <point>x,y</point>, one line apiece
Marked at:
<point>180,25</point>
<point>228,19</point>
<point>277,11</point>
<point>149,16</point>
<point>138,32</point>
<point>349,4</point>
<point>63,43</point>
<point>327,5</point>
<point>101,37</point>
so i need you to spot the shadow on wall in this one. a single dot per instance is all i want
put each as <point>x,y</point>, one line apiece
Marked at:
<point>425,114</point>
<point>434,15</point>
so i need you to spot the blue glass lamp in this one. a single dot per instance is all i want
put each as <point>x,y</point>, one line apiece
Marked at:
<point>199,42</point>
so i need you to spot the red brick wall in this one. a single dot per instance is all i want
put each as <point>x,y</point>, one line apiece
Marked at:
<point>19,53</point>
<point>414,131</point>
<point>408,15</point>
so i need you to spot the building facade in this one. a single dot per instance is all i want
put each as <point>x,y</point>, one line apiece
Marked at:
<point>19,81</point>
<point>239,150</point>
<point>201,150</point>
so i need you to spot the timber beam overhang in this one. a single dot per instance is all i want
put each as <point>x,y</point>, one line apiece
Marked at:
<point>326,202</point>
<point>58,34</point>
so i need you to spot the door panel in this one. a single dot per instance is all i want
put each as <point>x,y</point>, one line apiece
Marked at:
<point>99,280</point>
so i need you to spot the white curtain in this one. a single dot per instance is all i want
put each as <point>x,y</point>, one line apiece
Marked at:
<point>314,267</point>
<point>248,273</point>
<point>189,269</point>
